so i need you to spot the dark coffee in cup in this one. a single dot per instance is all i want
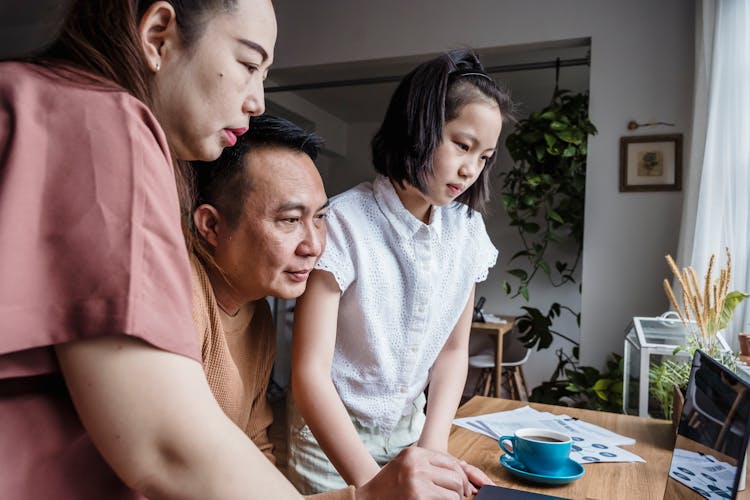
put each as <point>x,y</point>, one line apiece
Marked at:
<point>545,439</point>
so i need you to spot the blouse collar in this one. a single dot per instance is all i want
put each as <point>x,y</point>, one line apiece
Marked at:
<point>394,210</point>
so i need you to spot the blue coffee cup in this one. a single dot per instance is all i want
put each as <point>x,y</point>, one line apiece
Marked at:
<point>541,451</point>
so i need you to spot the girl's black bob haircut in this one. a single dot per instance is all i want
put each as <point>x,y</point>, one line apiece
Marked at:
<point>432,94</point>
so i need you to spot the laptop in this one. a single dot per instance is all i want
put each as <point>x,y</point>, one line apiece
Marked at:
<point>499,493</point>
<point>712,437</point>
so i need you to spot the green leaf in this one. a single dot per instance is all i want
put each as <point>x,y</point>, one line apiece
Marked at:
<point>519,273</point>
<point>732,300</point>
<point>567,136</point>
<point>550,139</point>
<point>572,388</point>
<point>548,115</point>
<point>558,125</point>
<point>569,151</point>
<point>506,287</point>
<point>524,292</point>
<point>534,180</point>
<point>602,384</point>
<point>545,340</point>
<point>522,253</point>
<point>531,227</point>
<point>544,266</point>
<point>551,214</point>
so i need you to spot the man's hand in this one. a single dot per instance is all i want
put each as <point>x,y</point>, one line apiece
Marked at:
<point>417,473</point>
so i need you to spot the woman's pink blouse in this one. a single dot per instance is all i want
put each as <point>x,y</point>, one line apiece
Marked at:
<point>90,245</point>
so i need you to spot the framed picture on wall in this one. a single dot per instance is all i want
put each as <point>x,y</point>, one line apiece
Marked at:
<point>651,163</point>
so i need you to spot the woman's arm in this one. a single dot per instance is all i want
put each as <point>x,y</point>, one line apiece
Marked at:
<point>152,416</point>
<point>447,380</point>
<point>313,342</point>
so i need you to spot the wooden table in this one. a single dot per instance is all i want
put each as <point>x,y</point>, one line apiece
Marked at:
<point>606,481</point>
<point>497,330</point>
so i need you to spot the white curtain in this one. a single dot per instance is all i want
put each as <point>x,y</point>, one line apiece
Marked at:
<point>716,211</point>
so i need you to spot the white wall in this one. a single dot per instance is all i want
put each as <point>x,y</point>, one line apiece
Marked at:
<point>641,69</point>
<point>333,129</point>
<point>356,167</point>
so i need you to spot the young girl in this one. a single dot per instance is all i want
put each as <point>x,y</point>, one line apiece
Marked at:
<point>388,308</point>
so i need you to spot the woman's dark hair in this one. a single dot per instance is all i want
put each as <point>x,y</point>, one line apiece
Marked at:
<point>100,38</point>
<point>426,99</point>
<point>224,182</point>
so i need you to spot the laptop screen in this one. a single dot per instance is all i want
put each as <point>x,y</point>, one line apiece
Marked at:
<point>712,437</point>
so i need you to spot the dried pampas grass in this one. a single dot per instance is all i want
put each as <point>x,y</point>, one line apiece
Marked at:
<point>705,304</point>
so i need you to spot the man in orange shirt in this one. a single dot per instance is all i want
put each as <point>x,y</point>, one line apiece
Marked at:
<point>258,228</point>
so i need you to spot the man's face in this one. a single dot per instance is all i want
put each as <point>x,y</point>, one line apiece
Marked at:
<point>281,231</point>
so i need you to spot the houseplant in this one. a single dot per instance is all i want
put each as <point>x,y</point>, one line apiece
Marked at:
<point>544,191</point>
<point>543,195</point>
<point>582,386</point>
<point>705,308</point>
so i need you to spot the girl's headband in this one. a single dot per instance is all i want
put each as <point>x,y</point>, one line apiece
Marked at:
<point>469,72</point>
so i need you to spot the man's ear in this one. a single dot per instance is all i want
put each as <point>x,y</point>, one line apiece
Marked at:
<point>206,219</point>
<point>158,33</point>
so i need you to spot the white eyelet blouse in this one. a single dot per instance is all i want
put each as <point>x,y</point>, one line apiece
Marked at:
<point>404,285</point>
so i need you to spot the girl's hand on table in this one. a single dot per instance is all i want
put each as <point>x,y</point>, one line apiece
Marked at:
<point>475,475</point>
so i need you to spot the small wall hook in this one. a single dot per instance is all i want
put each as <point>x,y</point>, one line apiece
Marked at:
<point>633,125</point>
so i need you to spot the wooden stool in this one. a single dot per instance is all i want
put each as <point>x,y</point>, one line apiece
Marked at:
<point>513,379</point>
<point>516,382</point>
<point>485,362</point>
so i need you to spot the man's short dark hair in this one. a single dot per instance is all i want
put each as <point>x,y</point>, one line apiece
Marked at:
<point>224,183</point>
<point>428,97</point>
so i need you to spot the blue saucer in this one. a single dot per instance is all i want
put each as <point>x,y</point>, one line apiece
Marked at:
<point>572,471</point>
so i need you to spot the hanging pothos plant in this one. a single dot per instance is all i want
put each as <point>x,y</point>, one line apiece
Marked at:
<point>544,195</point>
